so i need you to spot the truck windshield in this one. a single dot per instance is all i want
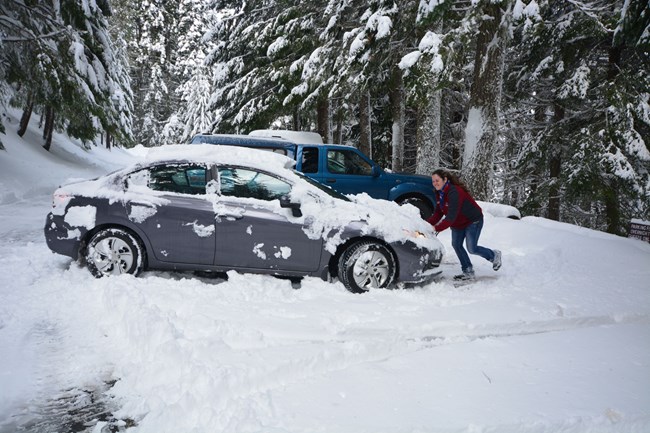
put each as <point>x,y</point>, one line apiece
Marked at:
<point>326,189</point>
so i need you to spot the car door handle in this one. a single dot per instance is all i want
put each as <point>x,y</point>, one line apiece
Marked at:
<point>231,216</point>
<point>330,180</point>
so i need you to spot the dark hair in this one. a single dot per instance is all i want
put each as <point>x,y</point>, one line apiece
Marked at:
<point>453,179</point>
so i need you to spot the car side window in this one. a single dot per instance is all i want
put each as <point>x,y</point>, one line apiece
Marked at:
<point>246,183</point>
<point>342,161</point>
<point>178,178</point>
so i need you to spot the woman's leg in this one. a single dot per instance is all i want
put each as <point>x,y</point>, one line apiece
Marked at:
<point>472,233</point>
<point>457,239</point>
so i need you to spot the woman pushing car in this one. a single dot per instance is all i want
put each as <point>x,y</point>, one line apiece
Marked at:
<point>465,218</point>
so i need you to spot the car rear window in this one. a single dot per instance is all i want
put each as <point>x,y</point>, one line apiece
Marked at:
<point>178,178</point>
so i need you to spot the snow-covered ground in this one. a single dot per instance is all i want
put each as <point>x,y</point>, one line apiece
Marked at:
<point>557,341</point>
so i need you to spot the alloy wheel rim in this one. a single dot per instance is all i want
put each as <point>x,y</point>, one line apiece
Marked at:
<point>112,256</point>
<point>371,269</point>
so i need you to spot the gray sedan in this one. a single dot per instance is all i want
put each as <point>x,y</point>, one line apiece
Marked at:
<point>232,209</point>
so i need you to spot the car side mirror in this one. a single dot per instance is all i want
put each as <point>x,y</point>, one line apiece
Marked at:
<point>376,171</point>
<point>285,202</point>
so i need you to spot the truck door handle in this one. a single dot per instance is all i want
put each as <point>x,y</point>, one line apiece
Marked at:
<point>330,180</point>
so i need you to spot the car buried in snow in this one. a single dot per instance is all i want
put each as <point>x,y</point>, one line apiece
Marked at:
<point>201,208</point>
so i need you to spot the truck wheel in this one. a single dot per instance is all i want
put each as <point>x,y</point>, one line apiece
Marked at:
<point>365,265</point>
<point>423,206</point>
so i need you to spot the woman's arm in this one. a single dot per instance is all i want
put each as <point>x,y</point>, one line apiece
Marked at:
<point>453,209</point>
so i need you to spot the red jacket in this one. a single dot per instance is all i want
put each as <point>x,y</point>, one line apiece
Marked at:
<point>458,207</point>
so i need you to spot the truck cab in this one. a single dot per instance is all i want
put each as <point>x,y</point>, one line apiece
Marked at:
<point>343,168</point>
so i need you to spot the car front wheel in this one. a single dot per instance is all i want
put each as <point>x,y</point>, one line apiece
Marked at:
<point>365,265</point>
<point>114,252</point>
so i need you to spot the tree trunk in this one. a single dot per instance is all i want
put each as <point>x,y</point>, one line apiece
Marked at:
<point>339,118</point>
<point>296,119</point>
<point>481,133</point>
<point>555,166</point>
<point>398,112</point>
<point>555,169</point>
<point>27,114</point>
<point>109,140</point>
<point>339,131</point>
<point>323,120</point>
<point>612,211</point>
<point>365,134</point>
<point>428,134</point>
<point>612,205</point>
<point>537,171</point>
<point>49,127</point>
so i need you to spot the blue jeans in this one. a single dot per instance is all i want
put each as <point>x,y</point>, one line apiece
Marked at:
<point>471,233</point>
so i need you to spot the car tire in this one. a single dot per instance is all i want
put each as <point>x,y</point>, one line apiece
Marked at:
<point>365,265</point>
<point>114,251</point>
<point>423,206</point>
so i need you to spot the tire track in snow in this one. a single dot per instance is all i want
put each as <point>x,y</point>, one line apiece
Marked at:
<point>245,391</point>
<point>482,332</point>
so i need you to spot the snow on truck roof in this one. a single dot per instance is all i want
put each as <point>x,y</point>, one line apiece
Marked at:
<point>239,140</point>
<point>265,138</point>
<point>300,137</point>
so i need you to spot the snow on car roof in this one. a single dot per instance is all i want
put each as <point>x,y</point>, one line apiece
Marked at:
<point>235,155</point>
<point>106,186</point>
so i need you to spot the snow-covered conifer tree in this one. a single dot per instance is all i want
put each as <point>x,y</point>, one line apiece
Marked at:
<point>153,56</point>
<point>260,49</point>
<point>60,55</point>
<point>192,114</point>
<point>482,131</point>
<point>585,63</point>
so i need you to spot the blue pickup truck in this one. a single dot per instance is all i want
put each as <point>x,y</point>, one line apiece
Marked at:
<point>344,168</point>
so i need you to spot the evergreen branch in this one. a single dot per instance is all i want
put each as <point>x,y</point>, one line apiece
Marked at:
<point>33,37</point>
<point>590,12</point>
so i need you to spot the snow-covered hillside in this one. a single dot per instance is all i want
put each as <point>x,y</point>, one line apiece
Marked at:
<point>557,341</point>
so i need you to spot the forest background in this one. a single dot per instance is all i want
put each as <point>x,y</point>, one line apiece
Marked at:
<point>543,105</point>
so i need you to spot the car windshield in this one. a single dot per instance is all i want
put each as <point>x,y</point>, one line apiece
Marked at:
<point>326,189</point>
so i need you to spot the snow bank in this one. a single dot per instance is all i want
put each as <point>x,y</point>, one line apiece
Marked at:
<point>500,210</point>
<point>29,171</point>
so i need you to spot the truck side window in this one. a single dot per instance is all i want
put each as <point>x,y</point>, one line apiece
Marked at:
<point>347,162</point>
<point>309,160</point>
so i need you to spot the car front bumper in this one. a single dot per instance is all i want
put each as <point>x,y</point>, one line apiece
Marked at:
<point>416,264</point>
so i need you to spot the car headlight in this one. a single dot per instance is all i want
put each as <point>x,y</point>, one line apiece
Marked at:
<point>414,233</point>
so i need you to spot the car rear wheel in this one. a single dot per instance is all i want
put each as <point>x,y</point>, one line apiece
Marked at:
<point>114,252</point>
<point>365,265</point>
<point>423,206</point>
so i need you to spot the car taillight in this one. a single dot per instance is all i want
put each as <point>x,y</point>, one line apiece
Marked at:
<point>60,199</point>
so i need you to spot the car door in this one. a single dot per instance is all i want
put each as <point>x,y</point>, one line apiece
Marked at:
<point>169,204</point>
<point>253,231</point>
<point>350,173</point>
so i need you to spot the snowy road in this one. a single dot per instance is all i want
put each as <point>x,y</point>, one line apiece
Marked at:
<point>553,342</point>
